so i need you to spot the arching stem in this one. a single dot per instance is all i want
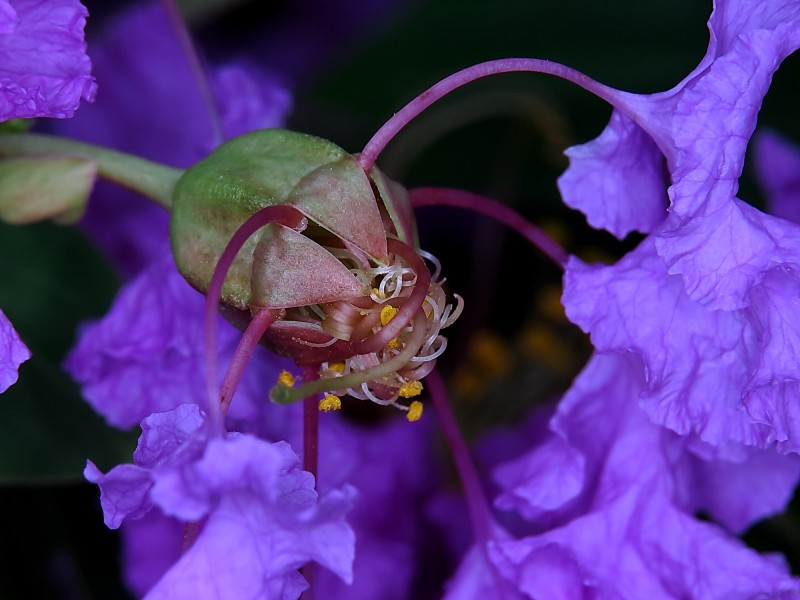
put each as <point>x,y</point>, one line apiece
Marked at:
<point>196,66</point>
<point>421,197</point>
<point>506,65</point>
<point>285,215</point>
<point>478,507</point>
<point>250,339</point>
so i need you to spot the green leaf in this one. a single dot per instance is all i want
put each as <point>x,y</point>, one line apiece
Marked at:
<point>50,281</point>
<point>36,189</point>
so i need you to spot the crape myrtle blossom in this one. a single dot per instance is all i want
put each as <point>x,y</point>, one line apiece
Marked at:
<point>709,298</point>
<point>145,357</point>
<point>44,69</point>
<point>262,518</point>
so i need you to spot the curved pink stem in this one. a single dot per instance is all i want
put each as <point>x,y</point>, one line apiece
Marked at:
<point>496,210</point>
<point>478,507</point>
<point>196,67</point>
<point>244,350</point>
<point>285,215</point>
<point>493,67</point>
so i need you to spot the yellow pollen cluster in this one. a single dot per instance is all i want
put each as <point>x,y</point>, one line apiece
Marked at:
<point>410,389</point>
<point>414,411</point>
<point>336,366</point>
<point>286,379</point>
<point>387,314</point>
<point>329,403</point>
<point>393,344</point>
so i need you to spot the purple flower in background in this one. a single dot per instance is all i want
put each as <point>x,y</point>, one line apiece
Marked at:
<point>708,299</point>
<point>44,70</point>
<point>13,352</point>
<point>262,518</point>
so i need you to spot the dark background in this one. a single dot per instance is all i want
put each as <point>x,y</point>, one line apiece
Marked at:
<point>501,137</point>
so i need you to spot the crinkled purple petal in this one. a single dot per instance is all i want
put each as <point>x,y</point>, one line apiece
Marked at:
<point>123,492</point>
<point>146,354</point>
<point>532,486</point>
<point>618,180</point>
<point>777,164</point>
<point>13,352</point>
<point>697,361</point>
<point>729,377</point>
<point>635,529</point>
<point>157,111</point>
<point>264,522</point>
<point>44,69</point>
<point>167,439</point>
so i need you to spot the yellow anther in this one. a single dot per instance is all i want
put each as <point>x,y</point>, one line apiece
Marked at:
<point>286,379</point>
<point>377,292</point>
<point>410,389</point>
<point>387,314</point>
<point>414,411</point>
<point>393,344</point>
<point>336,366</point>
<point>329,403</point>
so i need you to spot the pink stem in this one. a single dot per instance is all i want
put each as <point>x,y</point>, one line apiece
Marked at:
<point>252,335</point>
<point>200,75</point>
<point>280,214</point>
<point>406,312</point>
<point>477,505</point>
<point>310,457</point>
<point>311,425</point>
<point>493,67</point>
<point>496,210</point>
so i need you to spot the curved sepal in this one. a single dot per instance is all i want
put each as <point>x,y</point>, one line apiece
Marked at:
<point>290,270</point>
<point>398,206</point>
<point>338,196</point>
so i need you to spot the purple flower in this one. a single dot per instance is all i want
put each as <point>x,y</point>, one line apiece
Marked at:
<point>13,352</point>
<point>261,518</point>
<point>146,354</point>
<point>707,300</point>
<point>157,111</point>
<point>626,520</point>
<point>44,70</point>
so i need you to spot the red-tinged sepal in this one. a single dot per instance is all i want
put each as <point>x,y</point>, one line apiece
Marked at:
<point>338,196</point>
<point>291,270</point>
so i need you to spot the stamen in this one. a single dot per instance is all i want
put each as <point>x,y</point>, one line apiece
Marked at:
<point>414,411</point>
<point>329,403</point>
<point>286,379</point>
<point>410,389</point>
<point>284,395</point>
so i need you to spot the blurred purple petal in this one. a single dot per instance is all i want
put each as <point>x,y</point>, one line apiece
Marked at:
<point>44,69</point>
<point>13,352</point>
